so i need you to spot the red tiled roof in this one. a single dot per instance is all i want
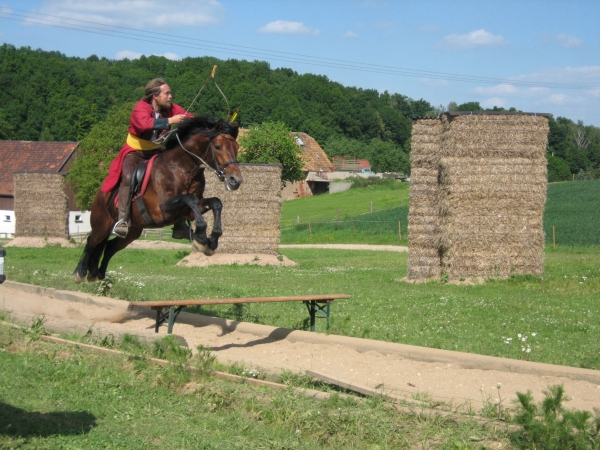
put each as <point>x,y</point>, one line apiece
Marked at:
<point>28,156</point>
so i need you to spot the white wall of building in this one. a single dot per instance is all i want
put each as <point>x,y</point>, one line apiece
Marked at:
<point>79,223</point>
<point>7,223</point>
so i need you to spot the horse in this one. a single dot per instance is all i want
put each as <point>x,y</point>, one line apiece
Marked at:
<point>175,190</point>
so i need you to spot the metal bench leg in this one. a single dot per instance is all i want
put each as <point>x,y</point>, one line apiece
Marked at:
<point>313,311</point>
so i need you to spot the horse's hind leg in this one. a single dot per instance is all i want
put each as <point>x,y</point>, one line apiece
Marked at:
<point>94,261</point>
<point>114,245</point>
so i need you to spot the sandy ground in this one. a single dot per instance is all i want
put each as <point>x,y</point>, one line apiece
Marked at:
<point>444,382</point>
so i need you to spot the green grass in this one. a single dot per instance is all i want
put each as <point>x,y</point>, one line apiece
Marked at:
<point>561,307</point>
<point>61,397</point>
<point>574,210</point>
<point>346,217</point>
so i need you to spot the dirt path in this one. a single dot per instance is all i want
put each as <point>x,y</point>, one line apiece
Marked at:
<point>300,351</point>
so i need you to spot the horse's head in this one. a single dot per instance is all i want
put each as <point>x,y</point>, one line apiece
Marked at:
<point>224,151</point>
<point>214,144</point>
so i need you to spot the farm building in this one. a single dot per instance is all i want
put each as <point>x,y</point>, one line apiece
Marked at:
<point>477,194</point>
<point>316,167</point>
<point>46,162</point>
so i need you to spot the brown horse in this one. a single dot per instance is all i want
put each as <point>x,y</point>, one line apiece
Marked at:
<point>175,191</point>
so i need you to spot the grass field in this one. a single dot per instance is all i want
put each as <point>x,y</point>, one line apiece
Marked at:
<point>61,397</point>
<point>573,208</point>
<point>561,307</point>
<point>346,217</point>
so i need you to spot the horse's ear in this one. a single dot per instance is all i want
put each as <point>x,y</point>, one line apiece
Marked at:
<point>235,130</point>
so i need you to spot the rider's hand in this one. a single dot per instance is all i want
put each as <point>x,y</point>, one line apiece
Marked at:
<point>177,118</point>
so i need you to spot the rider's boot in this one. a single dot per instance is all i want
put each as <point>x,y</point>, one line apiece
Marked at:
<point>181,229</point>
<point>122,226</point>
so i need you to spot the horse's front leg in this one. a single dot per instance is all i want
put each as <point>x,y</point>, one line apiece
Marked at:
<point>216,206</point>
<point>178,205</point>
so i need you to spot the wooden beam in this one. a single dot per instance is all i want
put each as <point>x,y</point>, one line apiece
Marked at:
<point>229,301</point>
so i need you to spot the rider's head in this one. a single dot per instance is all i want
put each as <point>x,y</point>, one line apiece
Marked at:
<point>158,93</point>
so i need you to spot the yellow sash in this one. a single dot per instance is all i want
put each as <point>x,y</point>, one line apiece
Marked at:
<point>140,144</point>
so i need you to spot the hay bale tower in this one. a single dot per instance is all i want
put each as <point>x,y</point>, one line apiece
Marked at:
<point>41,205</point>
<point>250,216</point>
<point>477,194</point>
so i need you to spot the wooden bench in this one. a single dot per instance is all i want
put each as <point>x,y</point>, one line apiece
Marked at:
<point>316,304</point>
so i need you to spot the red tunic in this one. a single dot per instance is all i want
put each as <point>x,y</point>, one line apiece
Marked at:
<point>143,124</point>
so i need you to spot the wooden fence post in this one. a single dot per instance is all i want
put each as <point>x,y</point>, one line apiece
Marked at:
<point>399,230</point>
<point>310,229</point>
<point>338,214</point>
<point>298,220</point>
<point>553,236</point>
<point>371,207</point>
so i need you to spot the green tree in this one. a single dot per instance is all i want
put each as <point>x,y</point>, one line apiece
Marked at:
<point>95,153</point>
<point>6,129</point>
<point>272,143</point>
<point>558,169</point>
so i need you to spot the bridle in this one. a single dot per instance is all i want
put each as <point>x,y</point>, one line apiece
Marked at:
<point>218,172</point>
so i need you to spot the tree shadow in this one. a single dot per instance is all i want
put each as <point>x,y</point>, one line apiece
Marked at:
<point>17,422</point>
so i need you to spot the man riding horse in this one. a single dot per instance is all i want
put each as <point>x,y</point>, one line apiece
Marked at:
<point>152,116</point>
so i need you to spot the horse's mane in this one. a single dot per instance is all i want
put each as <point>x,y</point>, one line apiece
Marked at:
<point>205,125</point>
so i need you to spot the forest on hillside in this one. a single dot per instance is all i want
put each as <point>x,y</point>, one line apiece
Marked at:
<point>48,96</point>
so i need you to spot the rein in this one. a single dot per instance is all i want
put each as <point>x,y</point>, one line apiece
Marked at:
<point>218,172</point>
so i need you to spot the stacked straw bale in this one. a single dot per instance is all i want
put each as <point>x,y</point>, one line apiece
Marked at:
<point>424,220</point>
<point>250,218</point>
<point>41,206</point>
<point>490,192</point>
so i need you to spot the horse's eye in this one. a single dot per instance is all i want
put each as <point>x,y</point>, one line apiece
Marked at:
<point>218,147</point>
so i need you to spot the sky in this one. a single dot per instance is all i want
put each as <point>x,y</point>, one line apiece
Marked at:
<point>537,56</point>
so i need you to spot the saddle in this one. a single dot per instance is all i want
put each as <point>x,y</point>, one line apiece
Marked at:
<point>139,183</point>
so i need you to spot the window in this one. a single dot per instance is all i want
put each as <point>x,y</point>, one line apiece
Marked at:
<point>6,218</point>
<point>78,219</point>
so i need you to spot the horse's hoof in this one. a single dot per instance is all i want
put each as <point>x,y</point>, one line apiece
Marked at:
<point>203,248</point>
<point>77,278</point>
<point>92,279</point>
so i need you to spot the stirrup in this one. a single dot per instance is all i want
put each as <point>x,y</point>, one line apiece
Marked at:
<point>119,232</point>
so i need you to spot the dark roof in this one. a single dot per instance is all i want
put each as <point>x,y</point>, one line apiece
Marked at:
<point>490,113</point>
<point>315,159</point>
<point>28,156</point>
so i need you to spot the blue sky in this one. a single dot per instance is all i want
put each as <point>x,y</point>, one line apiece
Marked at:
<point>538,56</point>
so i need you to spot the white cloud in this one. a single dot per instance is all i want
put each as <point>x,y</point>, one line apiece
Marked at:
<point>561,99</point>
<point>141,14</point>
<point>568,41</point>
<point>432,82</point>
<point>570,75</point>
<point>350,34</point>
<point>287,27</point>
<point>128,54</point>
<point>501,89</point>
<point>475,39</point>
<point>494,101</point>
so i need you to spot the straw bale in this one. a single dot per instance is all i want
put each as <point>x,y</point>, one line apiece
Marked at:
<point>41,206</point>
<point>250,217</point>
<point>476,201</point>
